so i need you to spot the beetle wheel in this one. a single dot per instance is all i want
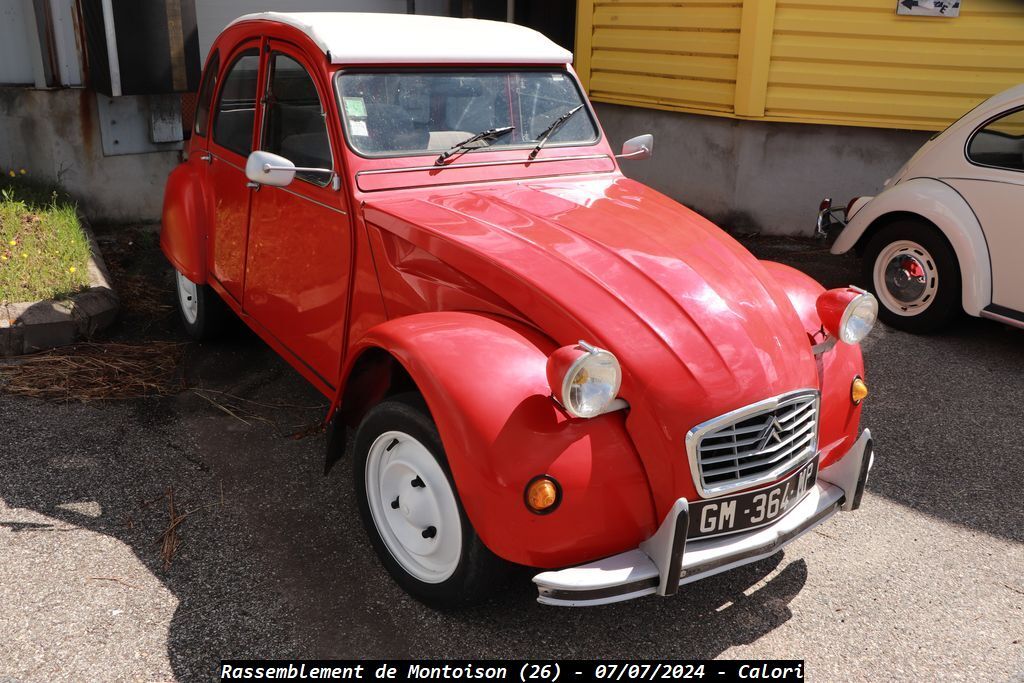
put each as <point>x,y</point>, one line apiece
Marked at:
<point>913,271</point>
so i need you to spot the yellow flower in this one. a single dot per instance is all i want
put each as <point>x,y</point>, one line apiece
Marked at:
<point>12,174</point>
<point>23,171</point>
<point>24,255</point>
<point>71,269</point>
<point>2,257</point>
<point>13,242</point>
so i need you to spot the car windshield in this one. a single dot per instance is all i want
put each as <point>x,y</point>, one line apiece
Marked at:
<point>409,113</point>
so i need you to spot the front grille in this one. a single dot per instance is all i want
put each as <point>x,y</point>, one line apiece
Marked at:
<point>755,444</point>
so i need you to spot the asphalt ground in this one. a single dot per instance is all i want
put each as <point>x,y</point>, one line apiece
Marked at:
<point>924,583</point>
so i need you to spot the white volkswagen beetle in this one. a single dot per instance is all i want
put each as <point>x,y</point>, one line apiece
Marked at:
<point>946,233</point>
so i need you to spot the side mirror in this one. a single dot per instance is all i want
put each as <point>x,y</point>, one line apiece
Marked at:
<point>269,169</point>
<point>640,147</point>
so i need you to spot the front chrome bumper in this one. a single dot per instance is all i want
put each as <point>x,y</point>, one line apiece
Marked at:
<point>666,560</point>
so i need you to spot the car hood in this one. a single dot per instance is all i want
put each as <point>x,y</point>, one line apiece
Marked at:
<point>698,324</point>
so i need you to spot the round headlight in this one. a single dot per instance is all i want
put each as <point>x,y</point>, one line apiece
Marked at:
<point>584,379</point>
<point>848,313</point>
<point>858,318</point>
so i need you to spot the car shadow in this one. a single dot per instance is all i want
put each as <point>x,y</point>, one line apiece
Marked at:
<point>273,561</point>
<point>944,408</point>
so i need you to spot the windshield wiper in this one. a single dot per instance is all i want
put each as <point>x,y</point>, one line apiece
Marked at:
<point>550,130</point>
<point>477,141</point>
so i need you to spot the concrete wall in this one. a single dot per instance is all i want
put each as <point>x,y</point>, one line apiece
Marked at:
<point>54,135</point>
<point>753,176</point>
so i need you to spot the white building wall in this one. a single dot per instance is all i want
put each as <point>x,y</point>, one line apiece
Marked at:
<point>213,15</point>
<point>15,43</point>
<point>21,58</point>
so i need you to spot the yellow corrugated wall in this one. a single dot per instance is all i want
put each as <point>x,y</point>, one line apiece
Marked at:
<point>815,61</point>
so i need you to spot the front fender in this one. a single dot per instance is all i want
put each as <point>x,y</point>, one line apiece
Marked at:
<point>839,421</point>
<point>183,223</point>
<point>483,379</point>
<point>939,203</point>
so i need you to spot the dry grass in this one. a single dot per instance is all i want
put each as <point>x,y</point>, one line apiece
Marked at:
<point>142,295</point>
<point>91,372</point>
<point>248,411</point>
<point>169,540</point>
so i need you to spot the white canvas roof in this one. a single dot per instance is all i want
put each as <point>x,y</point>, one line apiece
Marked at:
<point>363,38</point>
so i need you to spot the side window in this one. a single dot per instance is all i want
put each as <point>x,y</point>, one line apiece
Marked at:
<point>294,123</point>
<point>236,104</point>
<point>1000,142</point>
<point>206,94</point>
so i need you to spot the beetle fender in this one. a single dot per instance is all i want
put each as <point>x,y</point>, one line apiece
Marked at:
<point>183,224</point>
<point>942,205</point>
<point>483,379</point>
<point>839,421</point>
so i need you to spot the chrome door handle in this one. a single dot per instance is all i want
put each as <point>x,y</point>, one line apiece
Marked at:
<point>208,158</point>
<point>254,185</point>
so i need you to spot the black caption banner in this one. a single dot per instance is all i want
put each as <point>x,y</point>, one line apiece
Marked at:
<point>524,671</point>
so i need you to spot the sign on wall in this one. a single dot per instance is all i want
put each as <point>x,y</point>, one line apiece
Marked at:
<point>929,8</point>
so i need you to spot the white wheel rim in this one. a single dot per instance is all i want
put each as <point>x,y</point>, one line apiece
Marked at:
<point>413,507</point>
<point>187,298</point>
<point>905,278</point>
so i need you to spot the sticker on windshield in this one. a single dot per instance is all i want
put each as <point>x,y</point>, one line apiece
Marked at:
<point>355,107</point>
<point>358,128</point>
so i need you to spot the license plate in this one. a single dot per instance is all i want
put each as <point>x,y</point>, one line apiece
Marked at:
<point>753,509</point>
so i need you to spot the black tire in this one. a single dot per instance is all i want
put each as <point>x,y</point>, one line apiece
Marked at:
<point>943,303</point>
<point>212,315</point>
<point>479,571</point>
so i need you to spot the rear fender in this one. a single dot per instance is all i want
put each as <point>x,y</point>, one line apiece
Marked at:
<point>183,226</point>
<point>943,206</point>
<point>483,379</point>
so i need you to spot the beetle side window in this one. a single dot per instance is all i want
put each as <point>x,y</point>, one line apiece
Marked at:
<point>236,104</point>
<point>1000,143</point>
<point>206,94</point>
<point>294,124</point>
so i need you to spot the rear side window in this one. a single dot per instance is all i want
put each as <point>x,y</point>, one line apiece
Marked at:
<point>236,104</point>
<point>1000,142</point>
<point>294,125</point>
<point>206,94</point>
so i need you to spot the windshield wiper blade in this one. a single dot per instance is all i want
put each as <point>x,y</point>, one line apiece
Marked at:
<point>482,139</point>
<point>550,130</point>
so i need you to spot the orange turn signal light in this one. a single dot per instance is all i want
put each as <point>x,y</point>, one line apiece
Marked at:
<point>858,390</point>
<point>543,495</point>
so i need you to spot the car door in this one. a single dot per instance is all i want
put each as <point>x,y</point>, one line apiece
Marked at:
<point>230,143</point>
<point>995,190</point>
<point>298,267</point>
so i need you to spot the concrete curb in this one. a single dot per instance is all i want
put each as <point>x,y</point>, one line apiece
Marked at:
<point>38,325</point>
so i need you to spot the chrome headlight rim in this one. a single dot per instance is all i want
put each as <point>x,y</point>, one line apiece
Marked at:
<point>864,298</point>
<point>589,355</point>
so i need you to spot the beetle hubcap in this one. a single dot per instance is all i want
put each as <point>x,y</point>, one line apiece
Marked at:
<point>905,278</point>
<point>413,507</point>
<point>187,298</point>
